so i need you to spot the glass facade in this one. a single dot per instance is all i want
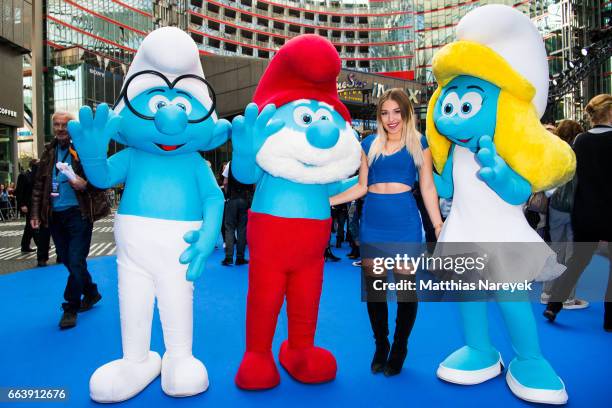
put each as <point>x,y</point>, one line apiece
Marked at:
<point>369,36</point>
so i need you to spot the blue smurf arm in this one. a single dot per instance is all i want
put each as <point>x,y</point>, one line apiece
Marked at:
<point>444,182</point>
<point>249,132</point>
<point>91,136</point>
<point>341,186</point>
<point>507,183</point>
<point>104,173</point>
<point>202,241</point>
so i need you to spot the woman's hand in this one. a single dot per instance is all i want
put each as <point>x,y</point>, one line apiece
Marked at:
<point>438,229</point>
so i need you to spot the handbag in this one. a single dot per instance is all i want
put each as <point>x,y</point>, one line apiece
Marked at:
<point>563,197</point>
<point>538,202</point>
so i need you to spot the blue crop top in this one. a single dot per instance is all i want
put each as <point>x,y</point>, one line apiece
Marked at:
<point>398,167</point>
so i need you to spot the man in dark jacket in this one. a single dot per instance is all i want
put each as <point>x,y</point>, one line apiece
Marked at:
<point>68,206</point>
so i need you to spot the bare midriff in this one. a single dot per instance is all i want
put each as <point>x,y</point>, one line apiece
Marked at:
<point>388,188</point>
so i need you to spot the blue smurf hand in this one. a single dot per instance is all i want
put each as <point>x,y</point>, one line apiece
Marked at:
<point>200,248</point>
<point>249,132</point>
<point>508,184</point>
<point>90,134</point>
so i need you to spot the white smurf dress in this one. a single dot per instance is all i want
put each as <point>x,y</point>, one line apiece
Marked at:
<point>487,224</point>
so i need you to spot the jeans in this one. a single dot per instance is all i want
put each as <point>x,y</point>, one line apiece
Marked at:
<point>235,227</point>
<point>561,241</point>
<point>72,236</point>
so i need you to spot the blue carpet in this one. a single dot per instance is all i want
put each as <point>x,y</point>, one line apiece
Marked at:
<point>35,352</point>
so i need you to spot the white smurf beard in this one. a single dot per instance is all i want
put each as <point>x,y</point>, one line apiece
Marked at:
<point>287,154</point>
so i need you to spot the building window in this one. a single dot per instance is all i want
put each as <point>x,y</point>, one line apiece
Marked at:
<point>363,20</point>
<point>263,38</point>
<point>197,38</point>
<point>323,33</point>
<point>247,18</point>
<point>350,64</point>
<point>309,16</point>
<point>278,10</point>
<point>247,51</point>
<point>294,13</point>
<point>213,25</point>
<point>246,3</point>
<point>364,64</point>
<point>230,30</point>
<point>336,19</point>
<point>229,13</point>
<point>309,30</point>
<point>214,43</point>
<point>323,18</point>
<point>349,20</point>
<point>294,29</point>
<point>279,25</point>
<point>262,22</point>
<point>246,34</point>
<point>230,47</point>
<point>263,54</point>
<point>213,8</point>
<point>278,41</point>
<point>262,6</point>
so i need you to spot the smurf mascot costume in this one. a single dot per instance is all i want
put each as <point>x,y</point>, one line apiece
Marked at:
<point>165,115</point>
<point>297,150</point>
<point>488,145</point>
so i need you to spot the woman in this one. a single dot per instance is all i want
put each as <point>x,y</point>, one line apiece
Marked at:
<point>389,163</point>
<point>591,216</point>
<point>559,220</point>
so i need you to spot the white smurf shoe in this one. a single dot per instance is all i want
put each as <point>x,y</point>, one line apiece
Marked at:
<point>468,366</point>
<point>122,379</point>
<point>183,376</point>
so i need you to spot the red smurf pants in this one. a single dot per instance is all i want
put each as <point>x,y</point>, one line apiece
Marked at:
<point>286,260</point>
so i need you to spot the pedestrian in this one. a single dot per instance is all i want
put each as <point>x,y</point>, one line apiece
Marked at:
<point>390,162</point>
<point>591,216</point>
<point>23,193</point>
<point>239,198</point>
<point>68,206</point>
<point>559,221</point>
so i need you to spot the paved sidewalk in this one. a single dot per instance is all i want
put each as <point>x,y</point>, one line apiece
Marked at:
<point>12,260</point>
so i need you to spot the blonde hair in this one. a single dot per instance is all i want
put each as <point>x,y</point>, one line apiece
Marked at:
<point>599,109</point>
<point>539,156</point>
<point>410,137</point>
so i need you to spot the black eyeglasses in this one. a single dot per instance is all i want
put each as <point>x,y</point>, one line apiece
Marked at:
<point>144,115</point>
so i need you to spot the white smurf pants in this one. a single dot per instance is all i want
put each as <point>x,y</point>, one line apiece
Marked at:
<point>148,252</point>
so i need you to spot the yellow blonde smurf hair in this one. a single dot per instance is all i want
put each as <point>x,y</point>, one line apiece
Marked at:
<point>529,149</point>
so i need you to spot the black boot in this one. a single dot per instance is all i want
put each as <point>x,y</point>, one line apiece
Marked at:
<point>552,309</point>
<point>406,315</point>
<point>379,320</point>
<point>354,254</point>
<point>329,256</point>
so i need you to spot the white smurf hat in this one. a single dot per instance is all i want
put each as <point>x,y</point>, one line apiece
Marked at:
<point>172,53</point>
<point>513,36</point>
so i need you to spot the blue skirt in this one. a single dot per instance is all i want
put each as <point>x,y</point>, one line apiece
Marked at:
<point>390,219</point>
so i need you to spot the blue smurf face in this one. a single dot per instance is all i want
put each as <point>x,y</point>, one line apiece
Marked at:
<point>164,120</point>
<point>321,123</point>
<point>466,110</point>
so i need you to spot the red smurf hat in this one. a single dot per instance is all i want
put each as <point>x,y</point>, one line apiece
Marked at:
<point>306,67</point>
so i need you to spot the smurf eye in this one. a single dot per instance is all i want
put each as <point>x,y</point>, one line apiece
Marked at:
<point>157,102</point>
<point>450,104</point>
<point>471,103</point>
<point>183,103</point>
<point>303,116</point>
<point>322,114</point>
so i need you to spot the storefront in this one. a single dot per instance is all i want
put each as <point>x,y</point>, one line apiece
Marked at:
<point>14,43</point>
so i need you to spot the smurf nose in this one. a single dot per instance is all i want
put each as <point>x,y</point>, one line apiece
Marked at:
<point>171,120</point>
<point>323,134</point>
